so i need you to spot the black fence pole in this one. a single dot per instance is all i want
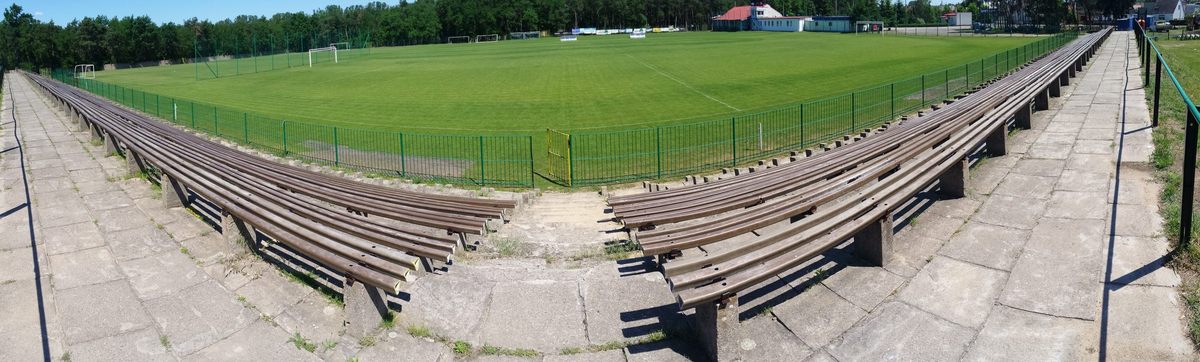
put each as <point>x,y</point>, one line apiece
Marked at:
<point>1189,179</point>
<point>1157,88</point>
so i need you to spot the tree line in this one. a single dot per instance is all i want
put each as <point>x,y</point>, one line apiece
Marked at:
<point>104,40</point>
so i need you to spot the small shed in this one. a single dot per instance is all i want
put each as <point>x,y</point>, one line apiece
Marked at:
<point>958,18</point>
<point>832,24</point>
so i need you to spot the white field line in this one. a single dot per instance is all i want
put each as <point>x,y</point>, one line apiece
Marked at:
<point>689,86</point>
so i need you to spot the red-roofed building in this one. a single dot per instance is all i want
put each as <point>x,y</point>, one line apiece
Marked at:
<point>755,17</point>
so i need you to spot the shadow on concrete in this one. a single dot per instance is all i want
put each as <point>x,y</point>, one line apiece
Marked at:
<point>1112,233</point>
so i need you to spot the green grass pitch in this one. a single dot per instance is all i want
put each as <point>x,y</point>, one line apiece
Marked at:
<point>524,87</point>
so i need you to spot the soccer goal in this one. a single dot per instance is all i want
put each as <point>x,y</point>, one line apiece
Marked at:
<point>458,40</point>
<point>868,27</point>
<point>340,45</point>
<point>525,35</point>
<point>489,38</point>
<point>318,51</point>
<point>85,71</point>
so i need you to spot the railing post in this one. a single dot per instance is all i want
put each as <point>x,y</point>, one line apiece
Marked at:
<point>802,142</point>
<point>893,86</point>
<point>1157,88</point>
<point>1146,65</point>
<point>1189,179</point>
<point>922,90</point>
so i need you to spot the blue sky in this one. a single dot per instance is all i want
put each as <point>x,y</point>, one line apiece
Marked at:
<point>63,11</point>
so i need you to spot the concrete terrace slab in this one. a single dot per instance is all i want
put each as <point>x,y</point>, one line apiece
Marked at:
<point>1009,272</point>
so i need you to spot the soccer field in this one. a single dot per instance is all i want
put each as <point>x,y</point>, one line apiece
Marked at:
<point>596,82</point>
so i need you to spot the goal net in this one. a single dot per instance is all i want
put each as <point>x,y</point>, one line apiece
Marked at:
<point>458,40</point>
<point>320,55</point>
<point>85,71</point>
<point>525,35</point>
<point>489,38</point>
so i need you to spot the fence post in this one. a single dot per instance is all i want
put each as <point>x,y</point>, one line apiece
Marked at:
<point>482,173</point>
<point>733,133</point>
<point>922,90</point>
<point>570,161</point>
<point>285,150</point>
<point>1189,178</point>
<point>947,76</point>
<point>1157,88</point>
<point>802,142</point>
<point>193,114</point>
<point>658,145</point>
<point>216,124</point>
<point>532,173</point>
<point>337,150</point>
<point>853,114</point>
<point>246,127</point>
<point>403,161</point>
<point>893,86</point>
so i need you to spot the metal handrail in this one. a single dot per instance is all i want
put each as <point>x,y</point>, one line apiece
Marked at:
<point>1146,44</point>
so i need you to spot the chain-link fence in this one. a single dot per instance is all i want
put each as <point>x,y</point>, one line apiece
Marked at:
<point>493,160</point>
<point>602,157</point>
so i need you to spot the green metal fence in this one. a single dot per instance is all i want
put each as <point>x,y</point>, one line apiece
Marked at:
<point>493,160</point>
<point>601,157</point>
<point>216,57</point>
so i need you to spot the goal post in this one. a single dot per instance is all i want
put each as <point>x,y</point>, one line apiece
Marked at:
<point>488,38</point>
<point>85,71</point>
<point>317,51</point>
<point>340,45</point>
<point>458,39</point>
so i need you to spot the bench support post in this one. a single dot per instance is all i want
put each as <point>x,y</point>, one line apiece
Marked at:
<point>133,163</point>
<point>874,243</point>
<point>717,324</point>
<point>996,141</point>
<point>80,124</point>
<point>365,308</point>
<point>1024,117</point>
<point>1055,89</point>
<point>1041,102</point>
<point>173,194</point>
<point>237,234</point>
<point>1064,80</point>
<point>953,183</point>
<point>95,132</point>
<point>1079,65</point>
<point>110,145</point>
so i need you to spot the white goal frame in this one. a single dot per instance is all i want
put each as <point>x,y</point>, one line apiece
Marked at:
<point>450,39</point>
<point>85,71</point>
<point>335,45</point>
<point>325,49</point>
<point>525,35</point>
<point>494,37</point>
